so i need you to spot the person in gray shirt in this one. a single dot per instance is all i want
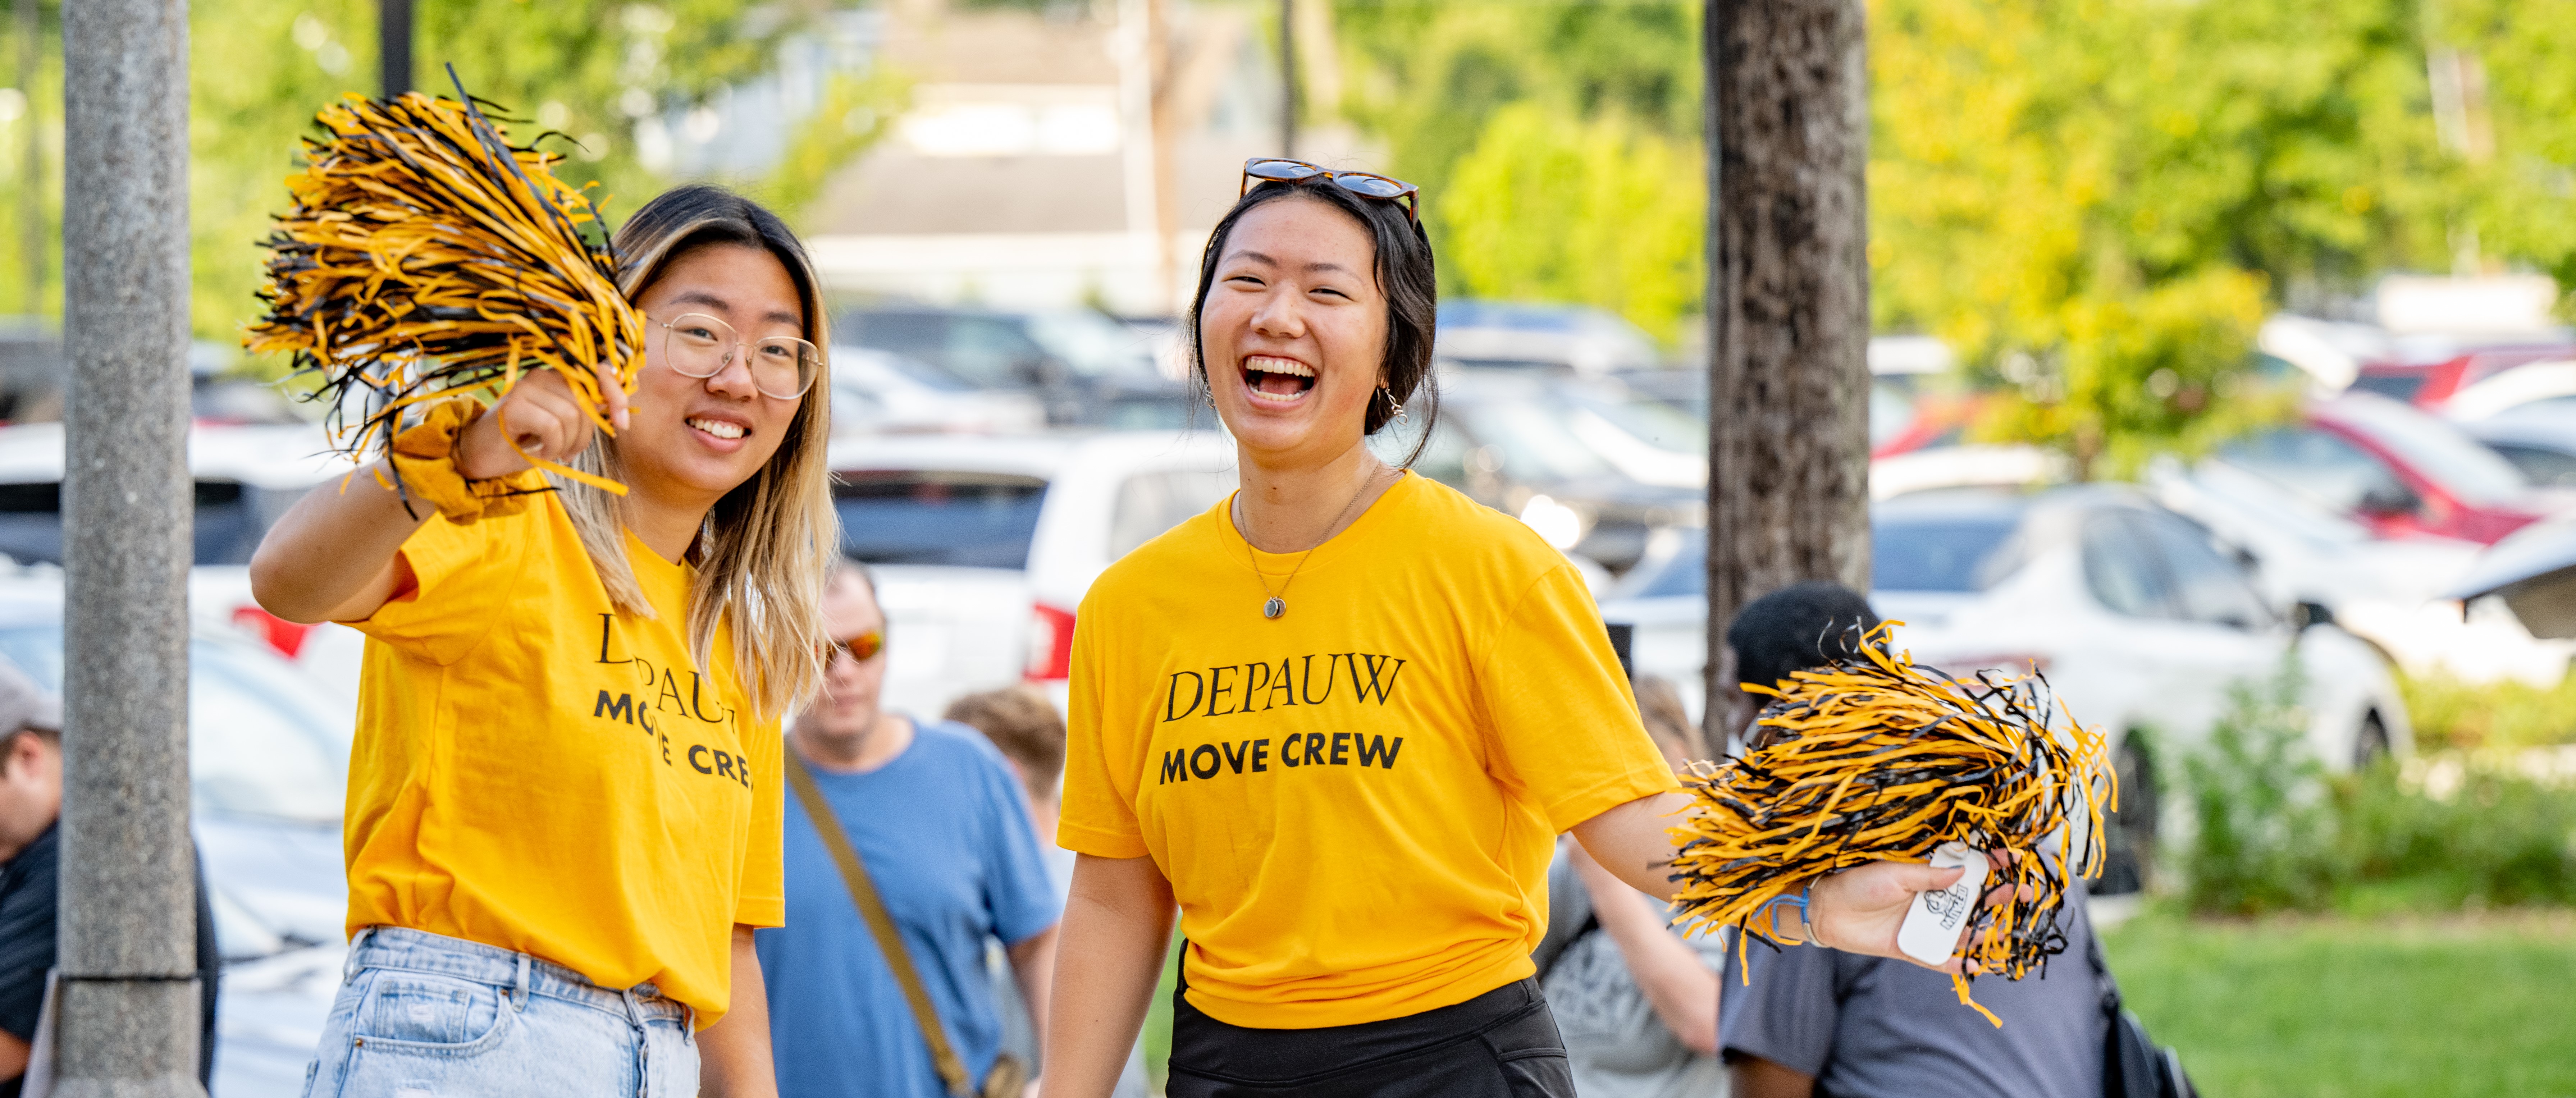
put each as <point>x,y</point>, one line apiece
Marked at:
<point>1635,1000</point>
<point>1816,1022</point>
<point>1621,1039</point>
<point>1806,1022</point>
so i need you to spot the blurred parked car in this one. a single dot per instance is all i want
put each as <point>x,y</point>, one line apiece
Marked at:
<point>1906,412</point>
<point>1083,368</point>
<point>878,392</point>
<point>2432,385</point>
<point>268,761</point>
<point>2538,438</point>
<point>1578,339</point>
<point>2395,469</point>
<point>983,548</point>
<point>2392,592</point>
<point>2533,573</point>
<point>246,476</point>
<point>1943,467</point>
<point>1528,446</point>
<point>2138,620</point>
<point>2543,384</point>
<point>32,369</point>
<point>1649,441</point>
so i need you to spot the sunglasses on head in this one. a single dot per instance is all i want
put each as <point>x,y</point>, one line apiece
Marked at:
<point>861,648</point>
<point>1273,169</point>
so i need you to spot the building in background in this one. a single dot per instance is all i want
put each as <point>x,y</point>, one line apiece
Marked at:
<point>1076,155</point>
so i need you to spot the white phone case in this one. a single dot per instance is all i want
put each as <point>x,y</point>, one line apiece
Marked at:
<point>1932,925</point>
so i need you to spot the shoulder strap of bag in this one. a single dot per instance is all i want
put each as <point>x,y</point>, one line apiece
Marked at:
<point>872,910</point>
<point>2102,979</point>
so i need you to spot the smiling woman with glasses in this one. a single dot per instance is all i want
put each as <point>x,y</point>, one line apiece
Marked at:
<point>1339,720</point>
<point>566,795</point>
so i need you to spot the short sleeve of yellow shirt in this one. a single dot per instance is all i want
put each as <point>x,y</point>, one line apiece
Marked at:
<point>538,771</point>
<point>1355,802</point>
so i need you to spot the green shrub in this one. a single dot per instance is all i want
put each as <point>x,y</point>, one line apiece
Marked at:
<point>2258,820</point>
<point>2271,830</point>
<point>2497,839</point>
<point>2449,712</point>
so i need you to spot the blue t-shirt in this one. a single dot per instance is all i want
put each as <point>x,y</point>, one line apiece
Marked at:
<point>946,839</point>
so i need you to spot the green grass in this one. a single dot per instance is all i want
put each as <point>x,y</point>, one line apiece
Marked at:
<point>2338,1008</point>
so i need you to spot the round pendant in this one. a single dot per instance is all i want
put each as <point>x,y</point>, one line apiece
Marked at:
<point>1275,607</point>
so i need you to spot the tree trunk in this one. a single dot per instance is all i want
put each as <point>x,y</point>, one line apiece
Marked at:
<point>1788,306</point>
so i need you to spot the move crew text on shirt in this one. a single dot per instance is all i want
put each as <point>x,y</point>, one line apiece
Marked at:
<point>663,695</point>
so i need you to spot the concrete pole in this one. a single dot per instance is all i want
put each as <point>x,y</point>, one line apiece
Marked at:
<point>1788,305</point>
<point>128,1017</point>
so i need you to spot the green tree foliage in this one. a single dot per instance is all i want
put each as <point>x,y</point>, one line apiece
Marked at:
<point>1553,207</point>
<point>586,70</point>
<point>2521,163</point>
<point>40,117</point>
<point>855,112</point>
<point>1557,144</point>
<point>2096,201</point>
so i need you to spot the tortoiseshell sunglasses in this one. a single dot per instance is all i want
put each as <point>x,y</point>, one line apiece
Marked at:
<point>1273,169</point>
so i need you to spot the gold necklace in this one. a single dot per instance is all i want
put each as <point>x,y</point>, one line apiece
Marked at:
<point>1277,604</point>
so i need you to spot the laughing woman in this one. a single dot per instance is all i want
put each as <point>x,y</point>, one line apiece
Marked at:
<point>1340,719</point>
<point>564,800</point>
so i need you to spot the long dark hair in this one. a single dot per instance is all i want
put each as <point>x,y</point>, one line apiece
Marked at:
<point>1404,275</point>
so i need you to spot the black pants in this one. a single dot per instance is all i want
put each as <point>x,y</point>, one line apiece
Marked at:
<point>1501,1044</point>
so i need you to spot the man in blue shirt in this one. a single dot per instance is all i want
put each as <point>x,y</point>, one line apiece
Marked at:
<point>939,821</point>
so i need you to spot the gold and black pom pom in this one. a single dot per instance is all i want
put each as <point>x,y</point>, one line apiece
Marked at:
<point>1877,758</point>
<point>424,255</point>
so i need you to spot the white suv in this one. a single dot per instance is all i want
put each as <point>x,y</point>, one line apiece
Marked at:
<point>983,547</point>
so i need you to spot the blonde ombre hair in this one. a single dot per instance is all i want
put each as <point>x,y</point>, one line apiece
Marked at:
<point>768,546</point>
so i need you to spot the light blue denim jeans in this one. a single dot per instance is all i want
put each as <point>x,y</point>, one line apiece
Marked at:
<point>422,1014</point>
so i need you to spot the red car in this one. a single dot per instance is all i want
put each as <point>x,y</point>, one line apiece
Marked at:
<point>2398,470</point>
<point>2429,386</point>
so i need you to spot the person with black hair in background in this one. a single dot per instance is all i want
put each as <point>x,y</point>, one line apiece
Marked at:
<point>1339,719</point>
<point>1813,1022</point>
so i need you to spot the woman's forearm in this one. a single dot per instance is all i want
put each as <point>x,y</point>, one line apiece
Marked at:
<point>733,1054</point>
<point>1033,963</point>
<point>1675,982</point>
<point>1108,956</point>
<point>1632,841</point>
<point>331,556</point>
<point>1856,910</point>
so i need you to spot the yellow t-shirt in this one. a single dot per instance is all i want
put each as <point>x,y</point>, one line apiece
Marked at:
<point>537,771</point>
<point>1355,802</point>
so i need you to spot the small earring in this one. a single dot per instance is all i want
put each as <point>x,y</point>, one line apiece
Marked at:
<point>1395,404</point>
